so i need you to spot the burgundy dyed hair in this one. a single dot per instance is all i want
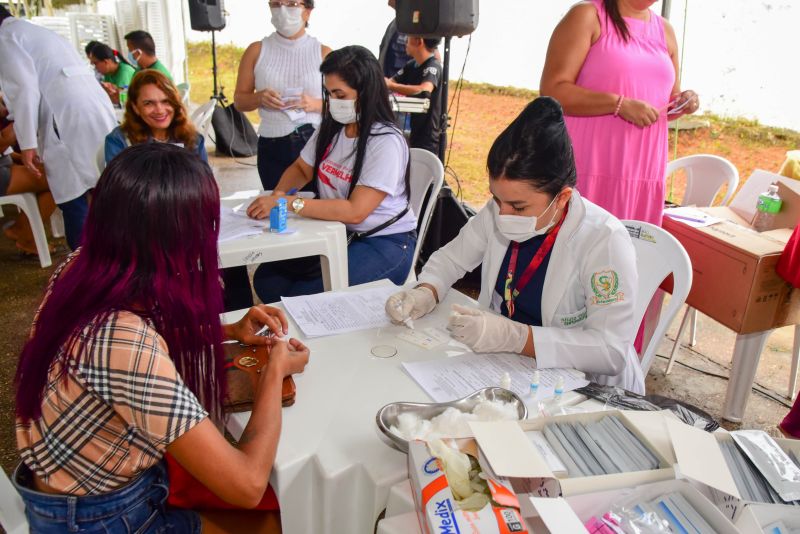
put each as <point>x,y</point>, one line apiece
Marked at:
<point>149,247</point>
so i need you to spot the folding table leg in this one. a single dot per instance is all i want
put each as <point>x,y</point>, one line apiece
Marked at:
<point>746,354</point>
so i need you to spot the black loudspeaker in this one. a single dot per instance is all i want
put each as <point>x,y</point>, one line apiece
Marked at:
<point>437,18</point>
<point>206,15</point>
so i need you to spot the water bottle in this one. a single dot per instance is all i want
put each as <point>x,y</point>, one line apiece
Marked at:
<point>769,204</point>
<point>123,96</point>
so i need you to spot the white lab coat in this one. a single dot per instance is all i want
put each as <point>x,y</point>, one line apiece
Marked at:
<point>587,317</point>
<point>57,104</point>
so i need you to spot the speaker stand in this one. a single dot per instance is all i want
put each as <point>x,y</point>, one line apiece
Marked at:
<point>218,96</point>
<point>444,98</point>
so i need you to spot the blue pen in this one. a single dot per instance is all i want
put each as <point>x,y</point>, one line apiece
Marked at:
<point>292,191</point>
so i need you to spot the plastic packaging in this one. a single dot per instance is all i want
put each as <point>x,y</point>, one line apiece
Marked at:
<point>123,96</point>
<point>768,206</point>
<point>616,397</point>
<point>773,463</point>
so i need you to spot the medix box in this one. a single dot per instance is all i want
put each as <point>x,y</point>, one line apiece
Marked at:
<point>436,507</point>
<point>734,278</point>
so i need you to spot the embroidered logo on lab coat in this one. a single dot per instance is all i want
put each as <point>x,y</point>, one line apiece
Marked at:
<point>605,285</point>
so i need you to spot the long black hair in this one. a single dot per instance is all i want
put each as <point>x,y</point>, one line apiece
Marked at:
<point>535,148</point>
<point>612,12</point>
<point>102,52</point>
<point>359,69</point>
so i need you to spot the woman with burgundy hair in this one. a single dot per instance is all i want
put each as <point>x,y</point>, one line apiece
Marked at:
<point>125,361</point>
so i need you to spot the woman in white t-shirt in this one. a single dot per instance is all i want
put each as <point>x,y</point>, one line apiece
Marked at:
<point>361,163</point>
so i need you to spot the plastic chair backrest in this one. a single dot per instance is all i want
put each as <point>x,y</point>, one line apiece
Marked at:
<point>658,255</point>
<point>12,508</point>
<point>427,177</point>
<point>705,176</point>
<point>183,90</point>
<point>202,116</point>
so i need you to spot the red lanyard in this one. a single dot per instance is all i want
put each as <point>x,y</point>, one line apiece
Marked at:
<point>512,291</point>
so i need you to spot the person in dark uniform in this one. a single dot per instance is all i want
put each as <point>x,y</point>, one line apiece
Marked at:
<point>393,54</point>
<point>422,77</point>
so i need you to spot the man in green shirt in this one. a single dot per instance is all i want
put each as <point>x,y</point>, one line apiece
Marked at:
<point>142,52</point>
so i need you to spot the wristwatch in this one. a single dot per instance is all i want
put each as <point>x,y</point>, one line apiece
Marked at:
<point>298,204</point>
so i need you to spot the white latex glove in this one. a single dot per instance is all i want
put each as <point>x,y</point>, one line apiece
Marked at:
<point>410,304</point>
<point>485,331</point>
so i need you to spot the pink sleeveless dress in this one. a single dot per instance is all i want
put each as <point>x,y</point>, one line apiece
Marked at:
<point>622,167</point>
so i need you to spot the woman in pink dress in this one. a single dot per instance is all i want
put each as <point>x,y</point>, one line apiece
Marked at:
<point>613,66</point>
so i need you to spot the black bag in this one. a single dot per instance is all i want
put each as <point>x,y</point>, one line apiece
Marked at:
<point>449,217</point>
<point>234,136</point>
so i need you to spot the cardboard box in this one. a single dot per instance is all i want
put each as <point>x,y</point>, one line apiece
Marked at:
<point>511,455</point>
<point>755,517</point>
<point>580,508</point>
<point>733,266</point>
<point>732,505</point>
<point>745,201</point>
<point>436,507</point>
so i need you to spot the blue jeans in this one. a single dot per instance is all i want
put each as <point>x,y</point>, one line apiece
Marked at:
<point>368,259</point>
<point>75,212</point>
<point>275,154</point>
<point>138,507</point>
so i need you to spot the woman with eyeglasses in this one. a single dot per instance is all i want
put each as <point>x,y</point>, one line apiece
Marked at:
<point>558,272</point>
<point>279,76</point>
<point>359,161</point>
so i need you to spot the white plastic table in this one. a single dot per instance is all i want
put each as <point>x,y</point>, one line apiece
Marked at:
<point>332,472</point>
<point>327,239</point>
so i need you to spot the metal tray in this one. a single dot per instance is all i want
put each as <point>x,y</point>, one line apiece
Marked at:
<point>387,416</point>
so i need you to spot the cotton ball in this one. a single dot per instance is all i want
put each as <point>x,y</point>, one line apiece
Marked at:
<point>410,426</point>
<point>495,411</point>
<point>452,423</point>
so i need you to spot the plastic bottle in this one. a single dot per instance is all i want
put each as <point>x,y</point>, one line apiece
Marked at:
<point>769,204</point>
<point>123,96</point>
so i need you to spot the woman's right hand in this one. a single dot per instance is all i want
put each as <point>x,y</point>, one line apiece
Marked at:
<point>638,112</point>
<point>287,358</point>
<point>410,304</point>
<point>271,99</point>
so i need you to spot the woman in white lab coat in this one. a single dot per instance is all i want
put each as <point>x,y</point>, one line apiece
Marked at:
<point>559,273</point>
<point>61,113</point>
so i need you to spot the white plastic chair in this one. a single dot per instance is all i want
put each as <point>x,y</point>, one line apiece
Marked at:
<point>202,116</point>
<point>658,254</point>
<point>27,203</point>
<point>706,174</point>
<point>183,90</point>
<point>12,508</point>
<point>427,177</point>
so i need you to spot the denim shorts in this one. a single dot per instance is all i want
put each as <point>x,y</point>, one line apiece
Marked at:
<point>138,507</point>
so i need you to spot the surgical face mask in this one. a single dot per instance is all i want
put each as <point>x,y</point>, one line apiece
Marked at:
<point>132,56</point>
<point>287,20</point>
<point>520,228</point>
<point>343,111</point>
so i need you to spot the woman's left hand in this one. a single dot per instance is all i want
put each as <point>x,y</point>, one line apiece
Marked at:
<point>686,103</point>
<point>485,331</point>
<point>260,207</point>
<point>244,330</point>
